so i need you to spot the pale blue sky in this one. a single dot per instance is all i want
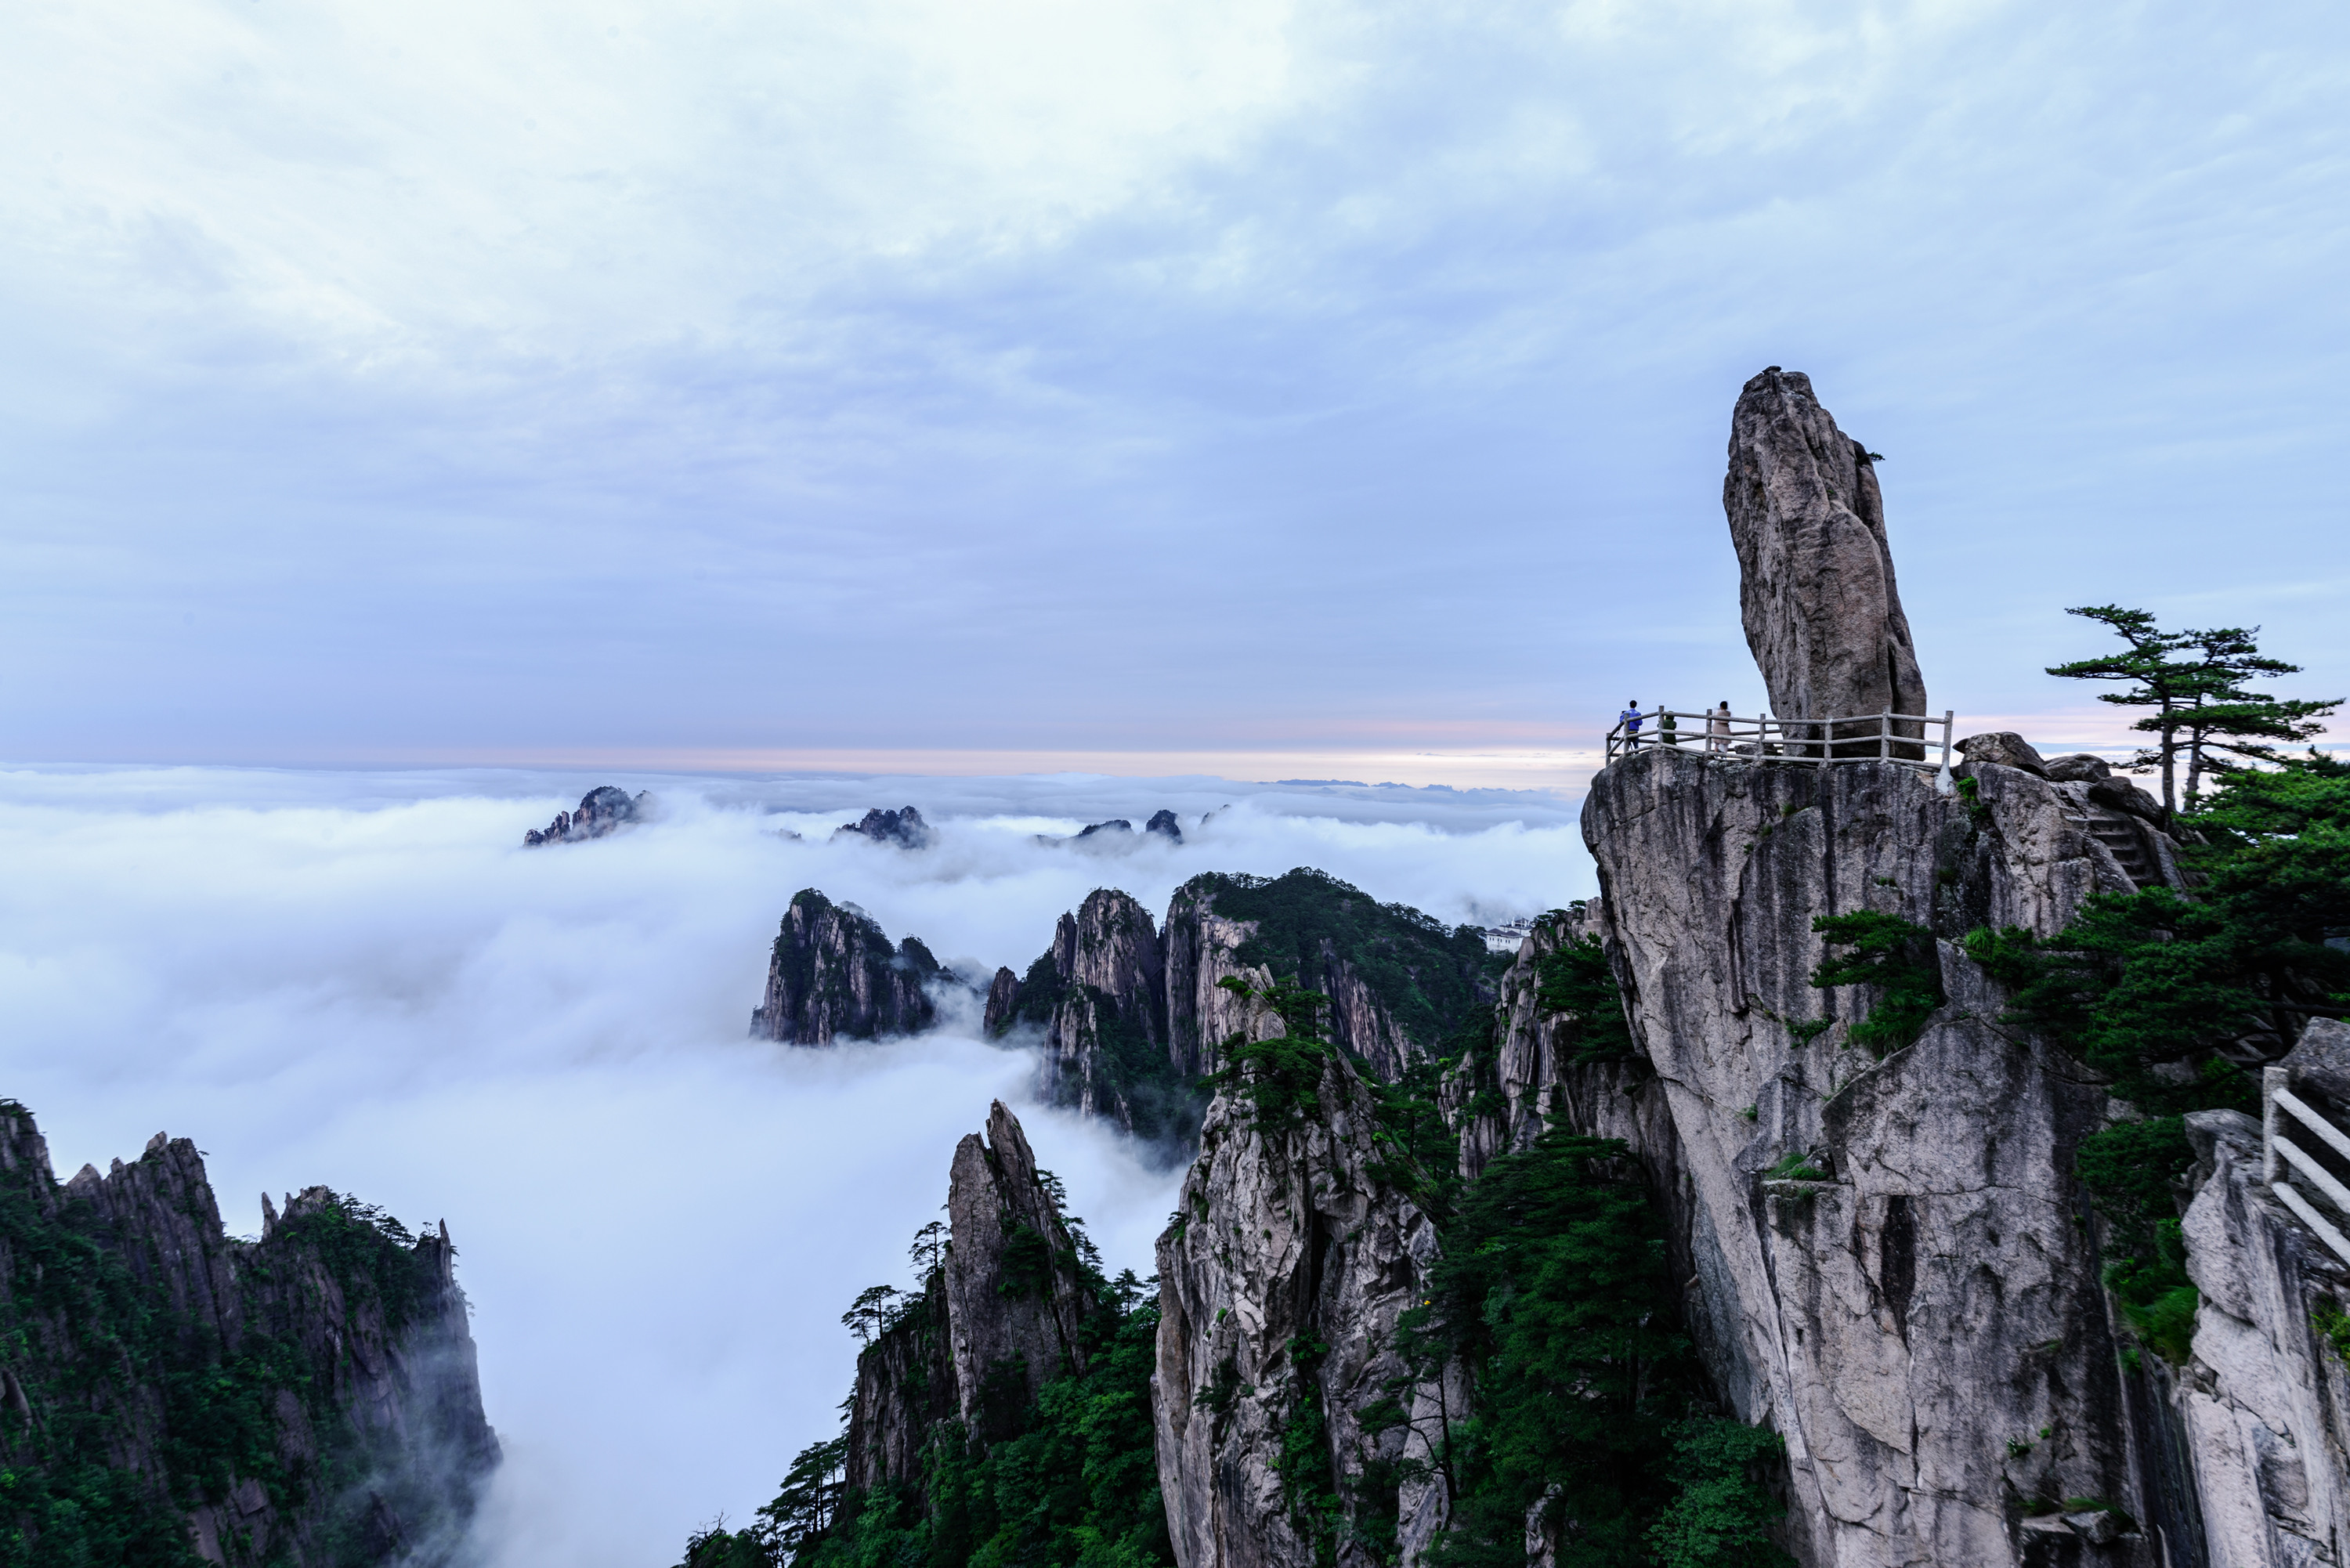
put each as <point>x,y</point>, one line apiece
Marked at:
<point>1182,383</point>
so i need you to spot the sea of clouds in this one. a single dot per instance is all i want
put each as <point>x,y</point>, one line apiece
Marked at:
<point>362,980</point>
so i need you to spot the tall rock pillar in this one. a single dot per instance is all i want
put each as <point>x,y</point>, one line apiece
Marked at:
<point>1816,574</point>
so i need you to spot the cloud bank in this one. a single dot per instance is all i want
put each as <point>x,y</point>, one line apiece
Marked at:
<point>364,981</point>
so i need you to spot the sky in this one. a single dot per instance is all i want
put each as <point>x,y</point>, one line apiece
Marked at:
<point>365,981</point>
<point>1258,389</point>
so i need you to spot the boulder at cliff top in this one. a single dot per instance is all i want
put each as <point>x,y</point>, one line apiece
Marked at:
<point>833,973</point>
<point>1815,572</point>
<point>2006,748</point>
<point>602,810</point>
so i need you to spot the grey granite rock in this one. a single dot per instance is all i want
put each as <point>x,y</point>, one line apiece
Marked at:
<point>2079,767</point>
<point>361,1387</point>
<point>1816,587</point>
<point>2006,748</point>
<point>903,827</point>
<point>603,810</point>
<point>833,973</point>
<point>1014,1303</point>
<point>998,1318</point>
<point>1286,1237</point>
<point>1099,998</point>
<point>1901,1324</point>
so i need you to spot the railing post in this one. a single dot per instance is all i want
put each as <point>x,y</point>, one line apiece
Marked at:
<point>1885,736</point>
<point>2272,1079</point>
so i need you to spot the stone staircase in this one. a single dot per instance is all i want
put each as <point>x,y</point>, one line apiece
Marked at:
<point>2119,834</point>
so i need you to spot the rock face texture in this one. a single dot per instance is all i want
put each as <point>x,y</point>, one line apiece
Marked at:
<point>602,810</point>
<point>309,1398</point>
<point>833,973</point>
<point>1286,1239</point>
<point>999,1318</point>
<point>1822,612</point>
<point>904,827</point>
<point>1203,950</point>
<point>1132,1014</point>
<point>1014,1303</point>
<point>2260,1416</point>
<point>1900,1322</point>
<point>1399,982</point>
<point>1118,832</point>
<point>1100,996</point>
<point>1501,1094</point>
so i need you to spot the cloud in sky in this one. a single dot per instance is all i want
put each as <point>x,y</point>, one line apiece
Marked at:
<point>365,981</point>
<point>474,381</point>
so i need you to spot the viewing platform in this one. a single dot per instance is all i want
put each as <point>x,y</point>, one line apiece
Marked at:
<point>1906,739</point>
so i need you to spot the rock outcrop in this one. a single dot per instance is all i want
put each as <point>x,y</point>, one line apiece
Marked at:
<point>1014,1300</point>
<point>1912,1322</point>
<point>1131,1016</point>
<point>307,1399</point>
<point>1500,1095</point>
<point>602,810</point>
<point>1118,832</point>
<point>2256,1469</point>
<point>833,973</point>
<point>1203,950</point>
<point>1099,996</point>
<point>998,1317</point>
<point>1822,611</point>
<point>1400,981</point>
<point>1281,1282</point>
<point>903,827</point>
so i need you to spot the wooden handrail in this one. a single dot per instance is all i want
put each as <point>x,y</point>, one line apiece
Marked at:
<point>2278,1151</point>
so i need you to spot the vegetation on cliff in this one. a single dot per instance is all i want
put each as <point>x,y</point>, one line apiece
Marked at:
<point>2179,997</point>
<point>1552,1293</point>
<point>1586,1413</point>
<point>126,1414</point>
<point>1068,1479</point>
<point>1430,977</point>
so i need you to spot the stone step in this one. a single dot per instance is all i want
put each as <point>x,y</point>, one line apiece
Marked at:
<point>2129,851</point>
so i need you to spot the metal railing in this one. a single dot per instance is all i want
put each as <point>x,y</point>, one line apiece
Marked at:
<point>2278,1151</point>
<point>1903,738</point>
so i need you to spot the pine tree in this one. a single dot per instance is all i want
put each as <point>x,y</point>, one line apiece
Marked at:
<point>2168,685</point>
<point>2227,725</point>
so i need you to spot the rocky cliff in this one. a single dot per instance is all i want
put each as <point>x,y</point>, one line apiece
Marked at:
<point>833,973</point>
<point>1281,1282</point>
<point>1000,1316</point>
<point>1544,1060</point>
<point>903,827</point>
<point>1133,1014</point>
<point>602,810</point>
<point>1888,1257</point>
<point>1817,588</point>
<point>174,1394</point>
<point>2245,1448</point>
<point>1400,983</point>
<point>1098,995</point>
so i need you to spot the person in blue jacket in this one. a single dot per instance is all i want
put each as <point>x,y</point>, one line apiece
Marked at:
<point>1630,719</point>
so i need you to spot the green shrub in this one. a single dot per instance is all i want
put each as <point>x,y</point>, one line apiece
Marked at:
<point>1897,957</point>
